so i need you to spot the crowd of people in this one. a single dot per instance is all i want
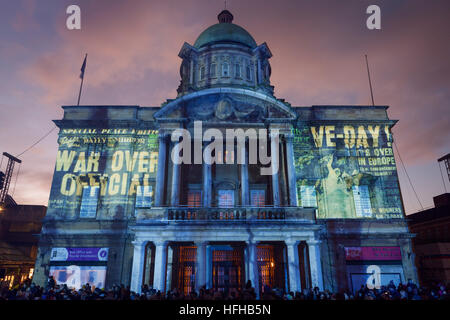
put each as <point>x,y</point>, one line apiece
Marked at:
<point>53,291</point>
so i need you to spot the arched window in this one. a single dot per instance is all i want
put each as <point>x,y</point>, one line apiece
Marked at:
<point>212,70</point>
<point>225,69</point>
<point>238,70</point>
<point>248,73</point>
<point>202,73</point>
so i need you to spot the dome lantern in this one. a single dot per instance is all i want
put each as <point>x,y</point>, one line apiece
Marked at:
<point>225,17</point>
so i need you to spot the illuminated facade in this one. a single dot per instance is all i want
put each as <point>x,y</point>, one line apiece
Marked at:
<point>123,210</point>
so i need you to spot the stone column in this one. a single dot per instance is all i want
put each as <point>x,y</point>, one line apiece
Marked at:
<point>293,265</point>
<point>255,73</point>
<point>245,193</point>
<point>284,194</point>
<point>169,268</point>
<point>176,170</point>
<point>137,273</point>
<point>246,264</point>
<point>292,179</point>
<point>253,266</point>
<point>315,264</point>
<point>200,265</point>
<point>191,71</point>
<point>160,175</point>
<point>207,182</point>
<point>274,151</point>
<point>159,279</point>
<point>209,264</point>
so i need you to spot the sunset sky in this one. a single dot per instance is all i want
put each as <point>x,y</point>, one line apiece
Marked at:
<point>318,58</point>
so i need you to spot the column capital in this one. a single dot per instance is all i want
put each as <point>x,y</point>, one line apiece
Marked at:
<point>289,137</point>
<point>274,133</point>
<point>163,136</point>
<point>291,242</point>
<point>313,242</point>
<point>252,242</point>
<point>201,243</point>
<point>139,242</point>
<point>160,243</point>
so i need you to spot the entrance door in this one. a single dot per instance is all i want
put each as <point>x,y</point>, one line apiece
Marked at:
<point>271,266</point>
<point>227,269</point>
<point>266,266</point>
<point>183,274</point>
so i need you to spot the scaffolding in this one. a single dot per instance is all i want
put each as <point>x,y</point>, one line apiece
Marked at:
<point>7,175</point>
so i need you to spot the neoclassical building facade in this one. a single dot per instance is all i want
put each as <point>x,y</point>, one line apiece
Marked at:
<point>127,208</point>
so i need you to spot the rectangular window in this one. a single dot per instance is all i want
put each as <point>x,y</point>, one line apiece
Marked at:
<point>89,201</point>
<point>144,196</point>
<point>308,196</point>
<point>361,197</point>
<point>226,198</point>
<point>228,155</point>
<point>212,70</point>
<point>257,198</point>
<point>194,198</point>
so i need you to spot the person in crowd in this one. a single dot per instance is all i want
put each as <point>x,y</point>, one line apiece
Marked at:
<point>51,282</point>
<point>53,291</point>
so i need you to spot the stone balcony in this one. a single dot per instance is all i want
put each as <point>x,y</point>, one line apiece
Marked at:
<point>237,214</point>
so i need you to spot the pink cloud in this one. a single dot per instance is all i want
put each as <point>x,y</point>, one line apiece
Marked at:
<point>24,18</point>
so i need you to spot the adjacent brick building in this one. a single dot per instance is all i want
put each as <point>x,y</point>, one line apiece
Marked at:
<point>20,226</point>
<point>432,241</point>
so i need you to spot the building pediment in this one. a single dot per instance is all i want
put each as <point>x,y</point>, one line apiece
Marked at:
<point>225,105</point>
<point>186,51</point>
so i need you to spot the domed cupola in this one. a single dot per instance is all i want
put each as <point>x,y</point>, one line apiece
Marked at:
<point>225,55</point>
<point>225,32</point>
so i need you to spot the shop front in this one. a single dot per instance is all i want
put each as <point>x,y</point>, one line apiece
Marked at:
<point>76,267</point>
<point>373,266</point>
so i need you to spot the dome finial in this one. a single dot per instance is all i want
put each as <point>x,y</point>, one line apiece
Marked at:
<point>225,17</point>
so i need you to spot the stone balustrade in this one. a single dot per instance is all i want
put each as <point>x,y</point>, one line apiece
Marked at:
<point>225,214</point>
